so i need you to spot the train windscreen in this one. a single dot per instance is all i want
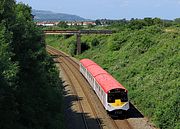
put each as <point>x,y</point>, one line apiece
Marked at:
<point>117,94</point>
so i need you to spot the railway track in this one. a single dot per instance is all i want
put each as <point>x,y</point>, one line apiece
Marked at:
<point>73,67</point>
<point>66,67</point>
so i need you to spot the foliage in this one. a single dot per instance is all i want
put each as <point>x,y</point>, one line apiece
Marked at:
<point>116,42</point>
<point>90,26</point>
<point>62,25</point>
<point>98,22</point>
<point>95,42</point>
<point>144,56</point>
<point>30,92</point>
<point>8,71</point>
<point>177,20</point>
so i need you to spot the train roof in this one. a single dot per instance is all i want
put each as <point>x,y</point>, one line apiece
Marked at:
<point>87,62</point>
<point>104,79</point>
<point>107,82</point>
<point>96,70</point>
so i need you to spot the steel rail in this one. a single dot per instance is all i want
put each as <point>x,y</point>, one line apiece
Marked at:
<point>87,97</point>
<point>74,92</point>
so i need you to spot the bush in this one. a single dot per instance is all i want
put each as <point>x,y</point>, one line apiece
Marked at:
<point>116,41</point>
<point>94,42</point>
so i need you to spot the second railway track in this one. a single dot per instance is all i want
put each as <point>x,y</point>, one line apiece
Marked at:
<point>78,84</point>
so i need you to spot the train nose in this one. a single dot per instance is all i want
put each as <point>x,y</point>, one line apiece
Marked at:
<point>117,103</point>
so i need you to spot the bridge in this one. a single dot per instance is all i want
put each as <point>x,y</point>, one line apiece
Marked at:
<point>78,34</point>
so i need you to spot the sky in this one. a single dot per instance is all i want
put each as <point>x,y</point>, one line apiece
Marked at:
<point>110,9</point>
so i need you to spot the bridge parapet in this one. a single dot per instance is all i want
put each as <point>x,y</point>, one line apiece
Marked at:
<point>66,32</point>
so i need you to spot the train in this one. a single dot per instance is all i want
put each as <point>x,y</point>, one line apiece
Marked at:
<point>113,96</point>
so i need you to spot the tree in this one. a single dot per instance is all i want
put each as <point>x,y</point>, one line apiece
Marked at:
<point>148,21</point>
<point>37,95</point>
<point>94,42</point>
<point>177,20</point>
<point>8,71</point>
<point>7,15</point>
<point>90,26</point>
<point>136,24</point>
<point>98,22</point>
<point>30,96</point>
<point>157,21</point>
<point>63,25</point>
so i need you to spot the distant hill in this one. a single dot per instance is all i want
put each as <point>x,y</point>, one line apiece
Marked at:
<point>42,15</point>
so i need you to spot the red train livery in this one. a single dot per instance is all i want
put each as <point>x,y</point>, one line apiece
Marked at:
<point>111,93</point>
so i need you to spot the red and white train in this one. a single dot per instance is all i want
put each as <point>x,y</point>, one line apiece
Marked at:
<point>111,93</point>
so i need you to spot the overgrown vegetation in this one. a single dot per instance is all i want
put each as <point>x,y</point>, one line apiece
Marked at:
<point>30,92</point>
<point>144,55</point>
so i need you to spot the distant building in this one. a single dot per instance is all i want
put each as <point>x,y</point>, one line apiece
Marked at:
<point>73,23</point>
<point>88,23</point>
<point>83,23</point>
<point>45,23</point>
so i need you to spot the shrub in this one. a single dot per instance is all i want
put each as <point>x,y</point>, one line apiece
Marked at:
<point>94,42</point>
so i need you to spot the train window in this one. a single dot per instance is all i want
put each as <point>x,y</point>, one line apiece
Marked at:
<point>124,97</point>
<point>91,77</point>
<point>111,98</point>
<point>96,85</point>
<point>117,94</point>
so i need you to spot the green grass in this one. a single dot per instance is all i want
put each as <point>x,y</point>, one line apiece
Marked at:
<point>53,40</point>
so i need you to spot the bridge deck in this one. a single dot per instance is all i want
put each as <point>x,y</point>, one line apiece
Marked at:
<point>71,32</point>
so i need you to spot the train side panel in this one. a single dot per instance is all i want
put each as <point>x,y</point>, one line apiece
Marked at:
<point>100,93</point>
<point>95,86</point>
<point>83,70</point>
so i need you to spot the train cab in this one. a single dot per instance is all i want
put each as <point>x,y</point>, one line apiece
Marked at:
<point>117,99</point>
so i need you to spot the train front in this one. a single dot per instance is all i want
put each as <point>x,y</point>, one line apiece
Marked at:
<point>117,101</point>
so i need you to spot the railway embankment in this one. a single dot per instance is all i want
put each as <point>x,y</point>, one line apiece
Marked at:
<point>146,61</point>
<point>82,107</point>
